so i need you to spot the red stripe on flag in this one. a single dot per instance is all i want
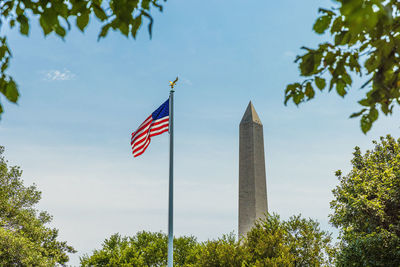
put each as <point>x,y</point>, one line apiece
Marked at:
<point>141,145</point>
<point>154,131</point>
<point>145,123</point>
<point>142,127</point>
<point>154,127</point>
<point>163,131</point>
<point>157,127</point>
<point>162,120</point>
<point>141,138</point>
<point>140,152</point>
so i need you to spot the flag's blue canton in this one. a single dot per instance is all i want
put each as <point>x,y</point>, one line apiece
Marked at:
<point>162,111</point>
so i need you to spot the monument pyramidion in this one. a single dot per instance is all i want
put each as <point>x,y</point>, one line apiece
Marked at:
<point>252,179</point>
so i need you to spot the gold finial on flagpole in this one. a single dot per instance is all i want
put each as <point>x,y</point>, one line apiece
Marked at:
<point>172,84</point>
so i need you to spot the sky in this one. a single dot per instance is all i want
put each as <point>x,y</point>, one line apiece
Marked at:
<point>81,99</point>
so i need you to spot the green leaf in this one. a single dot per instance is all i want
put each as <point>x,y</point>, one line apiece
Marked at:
<point>4,66</point>
<point>337,25</point>
<point>320,83</point>
<point>124,28</point>
<point>23,24</point>
<point>372,63</point>
<point>326,11</point>
<point>309,92</point>
<point>24,28</point>
<point>353,62</point>
<point>46,28</point>
<point>136,25</point>
<point>364,102</point>
<point>19,11</point>
<point>104,31</point>
<point>357,114</point>
<point>12,91</point>
<point>61,8</point>
<point>146,4</point>
<point>386,47</point>
<point>298,97</point>
<point>99,12</point>
<point>310,62</point>
<point>365,123</point>
<point>307,64</point>
<point>290,89</point>
<point>322,23</point>
<point>287,97</point>
<point>82,21</point>
<point>12,23</point>
<point>385,108</point>
<point>3,50</point>
<point>373,114</point>
<point>329,58</point>
<point>50,16</point>
<point>340,88</point>
<point>60,31</point>
<point>346,78</point>
<point>342,37</point>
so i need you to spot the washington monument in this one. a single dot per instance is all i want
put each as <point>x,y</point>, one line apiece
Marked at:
<point>252,180</point>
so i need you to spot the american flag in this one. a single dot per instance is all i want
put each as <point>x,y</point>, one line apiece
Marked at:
<point>157,123</point>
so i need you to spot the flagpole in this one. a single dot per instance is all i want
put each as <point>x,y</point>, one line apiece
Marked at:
<point>171,179</point>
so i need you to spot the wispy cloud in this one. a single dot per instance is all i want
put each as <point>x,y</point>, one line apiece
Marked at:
<point>187,81</point>
<point>58,75</point>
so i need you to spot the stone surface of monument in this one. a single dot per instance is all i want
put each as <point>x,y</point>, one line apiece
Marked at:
<point>252,179</point>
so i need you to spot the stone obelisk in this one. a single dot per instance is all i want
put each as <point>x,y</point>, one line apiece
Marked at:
<point>252,180</point>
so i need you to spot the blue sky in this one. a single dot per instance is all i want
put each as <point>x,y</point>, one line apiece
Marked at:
<point>81,99</point>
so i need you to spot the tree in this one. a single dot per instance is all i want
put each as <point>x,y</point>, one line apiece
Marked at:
<point>365,41</point>
<point>295,242</point>
<point>366,207</point>
<point>55,17</point>
<point>225,251</point>
<point>272,242</point>
<point>150,249</point>
<point>24,238</point>
<point>143,249</point>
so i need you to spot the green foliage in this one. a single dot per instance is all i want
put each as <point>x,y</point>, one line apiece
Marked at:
<point>124,16</point>
<point>24,238</point>
<point>296,242</point>
<point>366,207</point>
<point>144,249</point>
<point>365,41</point>
<point>272,242</point>
<point>225,251</point>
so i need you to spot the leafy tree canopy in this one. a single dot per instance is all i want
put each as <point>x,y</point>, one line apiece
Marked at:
<point>56,16</point>
<point>366,207</point>
<point>143,249</point>
<point>272,242</point>
<point>225,251</point>
<point>365,41</point>
<point>24,238</point>
<point>295,242</point>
